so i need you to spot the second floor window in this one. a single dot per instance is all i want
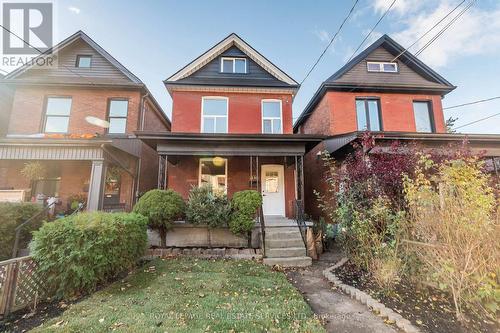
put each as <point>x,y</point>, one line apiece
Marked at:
<point>118,109</point>
<point>214,114</point>
<point>57,114</point>
<point>271,117</point>
<point>423,117</point>
<point>368,114</point>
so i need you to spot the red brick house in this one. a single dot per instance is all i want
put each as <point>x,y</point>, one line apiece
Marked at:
<point>78,120</point>
<point>385,90</point>
<point>232,129</point>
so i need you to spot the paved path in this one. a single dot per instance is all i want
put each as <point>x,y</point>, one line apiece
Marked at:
<point>342,314</point>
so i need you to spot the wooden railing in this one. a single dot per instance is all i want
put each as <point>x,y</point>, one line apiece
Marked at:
<point>262,231</point>
<point>20,285</point>
<point>300,219</point>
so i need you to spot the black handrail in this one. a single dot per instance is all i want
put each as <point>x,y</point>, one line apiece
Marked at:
<point>19,227</point>
<point>262,231</point>
<point>300,219</point>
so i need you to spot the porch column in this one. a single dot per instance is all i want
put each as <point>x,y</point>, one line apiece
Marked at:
<point>96,186</point>
<point>299,175</point>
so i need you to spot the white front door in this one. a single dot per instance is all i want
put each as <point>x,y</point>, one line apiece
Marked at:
<point>273,189</point>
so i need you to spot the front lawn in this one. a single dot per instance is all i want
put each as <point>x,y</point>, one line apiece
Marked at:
<point>192,295</point>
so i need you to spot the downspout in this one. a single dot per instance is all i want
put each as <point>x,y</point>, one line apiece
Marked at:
<point>139,164</point>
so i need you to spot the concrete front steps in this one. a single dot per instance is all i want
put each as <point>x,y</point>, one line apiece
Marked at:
<point>284,244</point>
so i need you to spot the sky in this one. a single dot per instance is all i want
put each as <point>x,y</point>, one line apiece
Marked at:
<point>154,39</point>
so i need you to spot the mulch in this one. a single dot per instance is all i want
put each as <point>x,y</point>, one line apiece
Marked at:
<point>427,308</point>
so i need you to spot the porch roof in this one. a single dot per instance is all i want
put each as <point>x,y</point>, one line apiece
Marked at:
<point>229,144</point>
<point>489,144</point>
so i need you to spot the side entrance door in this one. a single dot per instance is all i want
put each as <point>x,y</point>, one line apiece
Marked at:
<point>273,189</point>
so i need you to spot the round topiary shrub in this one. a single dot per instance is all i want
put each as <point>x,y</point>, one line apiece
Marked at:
<point>162,208</point>
<point>245,205</point>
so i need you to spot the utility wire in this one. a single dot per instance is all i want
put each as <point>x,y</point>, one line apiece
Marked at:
<point>476,121</point>
<point>331,41</point>
<point>471,103</point>
<point>371,31</point>
<point>445,28</point>
<point>425,34</point>
<point>41,53</point>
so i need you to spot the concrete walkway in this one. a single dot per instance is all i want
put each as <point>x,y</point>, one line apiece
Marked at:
<point>341,313</point>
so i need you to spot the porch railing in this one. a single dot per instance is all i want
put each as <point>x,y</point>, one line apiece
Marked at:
<point>300,219</point>
<point>262,231</point>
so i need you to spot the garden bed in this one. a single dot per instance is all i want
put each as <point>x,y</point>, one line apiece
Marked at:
<point>187,295</point>
<point>429,309</point>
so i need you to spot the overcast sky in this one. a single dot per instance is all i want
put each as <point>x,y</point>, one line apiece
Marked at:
<point>154,39</point>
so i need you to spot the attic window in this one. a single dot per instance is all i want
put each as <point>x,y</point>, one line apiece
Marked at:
<point>83,61</point>
<point>233,65</point>
<point>385,67</point>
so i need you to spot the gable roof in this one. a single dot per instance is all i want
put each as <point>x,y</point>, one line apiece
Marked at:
<point>233,40</point>
<point>79,35</point>
<point>430,81</point>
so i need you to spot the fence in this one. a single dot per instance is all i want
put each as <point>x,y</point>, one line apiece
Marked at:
<point>20,286</point>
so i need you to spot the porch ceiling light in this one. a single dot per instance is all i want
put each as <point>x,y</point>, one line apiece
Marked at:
<point>97,121</point>
<point>218,161</point>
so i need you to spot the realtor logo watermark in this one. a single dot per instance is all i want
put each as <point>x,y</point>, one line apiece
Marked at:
<point>28,33</point>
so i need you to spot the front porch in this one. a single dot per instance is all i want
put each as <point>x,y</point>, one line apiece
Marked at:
<point>94,172</point>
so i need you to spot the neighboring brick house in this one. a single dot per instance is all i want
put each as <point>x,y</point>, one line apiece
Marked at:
<point>232,127</point>
<point>395,99</point>
<point>5,105</point>
<point>78,119</point>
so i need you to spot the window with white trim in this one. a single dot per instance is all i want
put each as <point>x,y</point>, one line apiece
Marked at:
<point>214,114</point>
<point>271,117</point>
<point>233,65</point>
<point>385,67</point>
<point>57,114</point>
<point>118,110</point>
<point>213,173</point>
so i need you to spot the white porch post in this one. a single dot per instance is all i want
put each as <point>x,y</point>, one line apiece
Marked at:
<point>96,187</point>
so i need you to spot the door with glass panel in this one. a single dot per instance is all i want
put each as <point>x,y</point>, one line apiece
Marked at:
<point>273,189</point>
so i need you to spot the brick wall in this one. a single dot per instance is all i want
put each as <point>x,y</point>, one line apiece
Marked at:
<point>397,112</point>
<point>28,108</point>
<point>245,114</point>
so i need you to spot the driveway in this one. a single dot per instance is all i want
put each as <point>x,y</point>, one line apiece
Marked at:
<point>340,313</point>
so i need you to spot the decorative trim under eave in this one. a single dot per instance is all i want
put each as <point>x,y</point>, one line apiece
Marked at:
<point>231,89</point>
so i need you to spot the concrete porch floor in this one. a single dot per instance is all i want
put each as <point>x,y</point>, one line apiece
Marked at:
<point>281,221</point>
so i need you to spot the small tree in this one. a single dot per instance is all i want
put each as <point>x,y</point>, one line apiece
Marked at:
<point>162,208</point>
<point>33,171</point>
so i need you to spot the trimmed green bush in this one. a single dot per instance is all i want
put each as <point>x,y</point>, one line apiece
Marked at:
<point>245,205</point>
<point>78,252</point>
<point>12,215</point>
<point>206,208</point>
<point>162,208</point>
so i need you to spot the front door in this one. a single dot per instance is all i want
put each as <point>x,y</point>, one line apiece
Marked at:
<point>273,189</point>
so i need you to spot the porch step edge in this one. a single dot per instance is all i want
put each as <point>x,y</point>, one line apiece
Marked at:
<point>301,261</point>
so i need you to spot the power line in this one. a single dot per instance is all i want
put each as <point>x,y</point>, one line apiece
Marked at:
<point>471,103</point>
<point>444,28</point>
<point>425,34</point>
<point>375,26</point>
<point>331,41</point>
<point>41,53</point>
<point>476,121</point>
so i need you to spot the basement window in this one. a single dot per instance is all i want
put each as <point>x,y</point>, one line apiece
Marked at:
<point>384,67</point>
<point>233,65</point>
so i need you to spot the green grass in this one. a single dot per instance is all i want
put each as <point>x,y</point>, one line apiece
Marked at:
<point>192,295</point>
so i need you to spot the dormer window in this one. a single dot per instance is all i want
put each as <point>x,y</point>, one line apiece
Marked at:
<point>233,65</point>
<point>83,61</point>
<point>384,67</point>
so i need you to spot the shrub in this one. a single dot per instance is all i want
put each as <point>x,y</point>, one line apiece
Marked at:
<point>386,271</point>
<point>162,208</point>
<point>12,215</point>
<point>245,205</point>
<point>455,230</point>
<point>76,253</point>
<point>206,208</point>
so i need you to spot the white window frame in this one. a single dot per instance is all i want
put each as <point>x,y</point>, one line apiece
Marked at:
<point>271,118</point>
<point>203,116</point>
<point>233,59</point>
<point>381,66</point>
<point>210,159</point>
<point>57,116</point>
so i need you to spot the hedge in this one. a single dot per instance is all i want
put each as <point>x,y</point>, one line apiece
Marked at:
<point>78,252</point>
<point>12,215</point>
